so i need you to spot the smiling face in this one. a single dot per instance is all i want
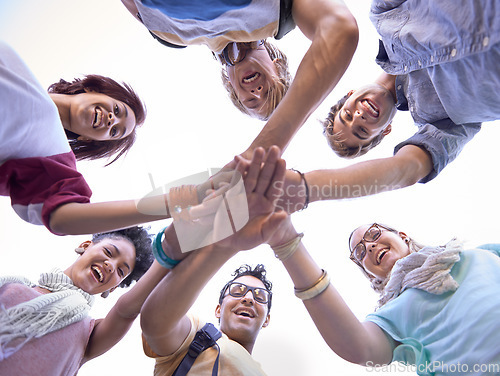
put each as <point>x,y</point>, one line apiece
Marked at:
<point>103,265</point>
<point>381,254</point>
<point>242,318</point>
<point>99,117</point>
<point>367,113</point>
<point>252,79</point>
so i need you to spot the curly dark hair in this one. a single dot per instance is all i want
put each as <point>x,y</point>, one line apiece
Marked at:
<point>276,92</point>
<point>93,149</point>
<point>335,139</point>
<point>142,241</point>
<point>258,272</point>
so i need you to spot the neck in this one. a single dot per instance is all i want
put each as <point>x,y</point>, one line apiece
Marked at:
<point>248,346</point>
<point>63,107</point>
<point>388,81</point>
<point>246,343</point>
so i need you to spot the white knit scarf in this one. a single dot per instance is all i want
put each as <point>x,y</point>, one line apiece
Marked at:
<point>65,305</point>
<point>427,270</point>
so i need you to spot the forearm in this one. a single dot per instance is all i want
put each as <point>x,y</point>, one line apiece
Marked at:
<point>129,304</point>
<point>75,218</point>
<point>406,168</point>
<point>342,331</point>
<point>334,35</point>
<point>110,330</point>
<point>163,314</point>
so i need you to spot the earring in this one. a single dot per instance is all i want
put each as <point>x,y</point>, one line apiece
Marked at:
<point>105,294</point>
<point>407,241</point>
<point>80,250</point>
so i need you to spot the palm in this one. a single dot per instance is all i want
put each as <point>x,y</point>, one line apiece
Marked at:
<point>263,184</point>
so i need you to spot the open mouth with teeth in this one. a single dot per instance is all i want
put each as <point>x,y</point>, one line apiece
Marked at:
<point>370,107</point>
<point>97,273</point>
<point>380,255</point>
<point>244,313</point>
<point>97,117</point>
<point>251,78</point>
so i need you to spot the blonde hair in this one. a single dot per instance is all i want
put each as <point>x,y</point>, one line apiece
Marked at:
<point>276,91</point>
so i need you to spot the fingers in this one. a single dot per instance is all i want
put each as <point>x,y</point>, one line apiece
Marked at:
<point>253,171</point>
<point>267,171</point>
<point>207,208</point>
<point>275,190</point>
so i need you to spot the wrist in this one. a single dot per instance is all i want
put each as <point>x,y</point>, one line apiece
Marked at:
<point>159,252</point>
<point>289,234</point>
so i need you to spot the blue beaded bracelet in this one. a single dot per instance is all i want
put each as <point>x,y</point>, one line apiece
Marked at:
<point>160,255</point>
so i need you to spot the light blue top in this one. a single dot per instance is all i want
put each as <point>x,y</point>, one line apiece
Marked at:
<point>214,23</point>
<point>454,332</point>
<point>446,54</point>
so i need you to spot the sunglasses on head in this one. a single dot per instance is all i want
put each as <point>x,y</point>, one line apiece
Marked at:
<point>235,52</point>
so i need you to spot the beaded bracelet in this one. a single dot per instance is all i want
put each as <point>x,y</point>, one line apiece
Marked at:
<point>159,253</point>
<point>303,177</point>
<point>319,286</point>
<point>284,251</point>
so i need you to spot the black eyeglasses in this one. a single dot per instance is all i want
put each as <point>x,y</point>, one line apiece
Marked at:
<point>358,253</point>
<point>235,52</point>
<point>238,290</point>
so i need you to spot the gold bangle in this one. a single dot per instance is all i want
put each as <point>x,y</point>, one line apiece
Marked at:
<point>284,251</point>
<point>319,286</point>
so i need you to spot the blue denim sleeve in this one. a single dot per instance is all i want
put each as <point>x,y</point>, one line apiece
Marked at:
<point>443,140</point>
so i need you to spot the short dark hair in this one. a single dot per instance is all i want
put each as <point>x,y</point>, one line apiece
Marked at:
<point>94,149</point>
<point>258,272</point>
<point>142,241</point>
<point>276,93</point>
<point>335,139</point>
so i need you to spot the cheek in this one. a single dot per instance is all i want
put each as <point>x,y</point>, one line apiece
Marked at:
<point>231,74</point>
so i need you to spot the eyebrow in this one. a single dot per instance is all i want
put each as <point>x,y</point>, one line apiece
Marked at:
<point>356,134</point>
<point>118,252</point>
<point>125,109</point>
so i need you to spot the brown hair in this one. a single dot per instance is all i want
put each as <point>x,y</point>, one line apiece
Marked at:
<point>336,141</point>
<point>377,283</point>
<point>276,92</point>
<point>93,149</point>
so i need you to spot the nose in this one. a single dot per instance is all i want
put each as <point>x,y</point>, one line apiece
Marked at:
<point>109,267</point>
<point>247,297</point>
<point>257,91</point>
<point>358,113</point>
<point>111,119</point>
<point>370,246</point>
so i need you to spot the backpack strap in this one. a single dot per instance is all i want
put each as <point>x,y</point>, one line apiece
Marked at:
<point>204,338</point>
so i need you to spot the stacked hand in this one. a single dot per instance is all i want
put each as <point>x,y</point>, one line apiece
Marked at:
<point>263,180</point>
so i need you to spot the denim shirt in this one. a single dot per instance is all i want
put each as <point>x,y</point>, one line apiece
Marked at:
<point>446,54</point>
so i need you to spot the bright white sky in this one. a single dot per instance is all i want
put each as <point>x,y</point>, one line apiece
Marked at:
<point>192,126</point>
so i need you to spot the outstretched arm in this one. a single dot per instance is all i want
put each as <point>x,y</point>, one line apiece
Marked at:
<point>163,317</point>
<point>408,166</point>
<point>355,341</point>
<point>110,330</point>
<point>91,218</point>
<point>334,35</point>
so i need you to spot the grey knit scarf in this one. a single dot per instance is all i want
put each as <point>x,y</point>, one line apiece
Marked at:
<point>427,270</point>
<point>65,305</point>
